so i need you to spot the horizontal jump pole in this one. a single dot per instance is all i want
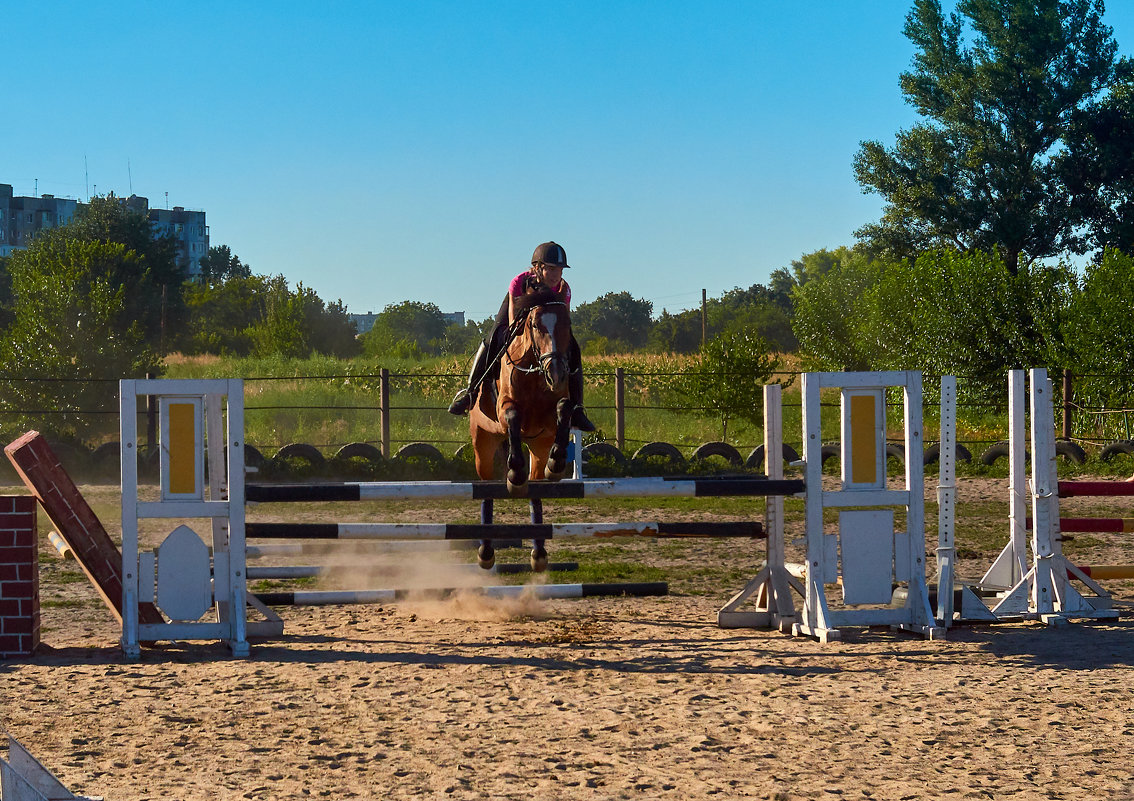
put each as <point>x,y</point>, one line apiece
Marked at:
<point>1104,572</point>
<point>1085,489</point>
<point>501,531</point>
<point>380,546</point>
<point>1084,525</point>
<point>498,490</point>
<point>540,591</point>
<point>314,571</point>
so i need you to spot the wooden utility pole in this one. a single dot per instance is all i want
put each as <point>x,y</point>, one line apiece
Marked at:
<point>703,317</point>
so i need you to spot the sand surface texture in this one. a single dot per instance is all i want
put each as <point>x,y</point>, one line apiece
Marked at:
<point>596,698</point>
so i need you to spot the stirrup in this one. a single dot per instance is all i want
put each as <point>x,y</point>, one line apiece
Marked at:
<point>462,403</point>
<point>580,420</point>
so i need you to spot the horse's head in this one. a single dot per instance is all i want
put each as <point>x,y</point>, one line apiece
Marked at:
<point>547,330</point>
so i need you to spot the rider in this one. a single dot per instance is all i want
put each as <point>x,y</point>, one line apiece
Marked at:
<point>548,263</point>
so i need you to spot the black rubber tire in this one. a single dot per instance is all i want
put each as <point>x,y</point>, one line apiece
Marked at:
<point>997,450</point>
<point>659,449</point>
<point>722,449</point>
<point>253,457</point>
<point>106,455</point>
<point>421,450</point>
<point>1125,446</point>
<point>301,450</point>
<point>755,459</point>
<point>1069,449</point>
<point>896,451</point>
<point>933,453</point>
<point>829,451</point>
<point>359,450</point>
<point>605,450</point>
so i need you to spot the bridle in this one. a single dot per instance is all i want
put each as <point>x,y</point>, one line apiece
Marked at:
<point>543,361</point>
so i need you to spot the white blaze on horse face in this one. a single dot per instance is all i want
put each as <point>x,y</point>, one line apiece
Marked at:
<point>548,319</point>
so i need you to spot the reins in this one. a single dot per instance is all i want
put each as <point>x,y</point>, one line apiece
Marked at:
<point>542,359</point>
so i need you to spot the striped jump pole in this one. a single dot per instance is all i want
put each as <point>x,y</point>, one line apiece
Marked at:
<point>539,591</point>
<point>497,490</point>
<point>499,531</point>
<point>282,572</point>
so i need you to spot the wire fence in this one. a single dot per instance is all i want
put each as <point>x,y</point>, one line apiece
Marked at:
<point>631,408</point>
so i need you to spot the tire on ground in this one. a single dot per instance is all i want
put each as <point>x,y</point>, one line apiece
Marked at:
<point>300,450</point>
<point>663,449</point>
<point>359,450</point>
<point>933,453</point>
<point>1125,446</point>
<point>604,450</point>
<point>755,459</point>
<point>1071,450</point>
<point>722,449</point>
<point>421,450</point>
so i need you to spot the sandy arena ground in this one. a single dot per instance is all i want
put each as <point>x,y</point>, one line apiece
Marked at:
<point>596,698</point>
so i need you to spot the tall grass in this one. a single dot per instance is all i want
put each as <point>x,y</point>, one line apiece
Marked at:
<point>330,402</point>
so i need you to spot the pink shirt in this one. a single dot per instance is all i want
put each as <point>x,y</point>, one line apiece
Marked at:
<point>516,288</point>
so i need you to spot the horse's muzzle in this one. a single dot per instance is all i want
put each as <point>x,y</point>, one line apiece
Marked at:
<point>555,371</point>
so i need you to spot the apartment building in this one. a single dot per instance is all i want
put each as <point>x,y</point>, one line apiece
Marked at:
<point>22,217</point>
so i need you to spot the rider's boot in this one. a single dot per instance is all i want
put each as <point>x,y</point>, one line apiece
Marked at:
<point>464,400</point>
<point>579,418</point>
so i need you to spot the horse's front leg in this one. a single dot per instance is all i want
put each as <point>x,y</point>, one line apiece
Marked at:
<point>539,552</point>
<point>557,456</point>
<point>516,478</point>
<point>486,554</point>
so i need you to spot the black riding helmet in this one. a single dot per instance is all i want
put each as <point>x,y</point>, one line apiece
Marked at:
<point>551,254</point>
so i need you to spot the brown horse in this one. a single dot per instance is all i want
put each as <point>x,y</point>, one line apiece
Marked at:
<point>529,404</point>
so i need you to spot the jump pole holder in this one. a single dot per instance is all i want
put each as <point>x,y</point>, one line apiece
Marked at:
<point>866,555</point>
<point>193,414</point>
<point>1043,591</point>
<point>773,585</point>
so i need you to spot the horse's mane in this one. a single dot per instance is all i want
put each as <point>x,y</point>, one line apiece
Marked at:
<point>538,295</point>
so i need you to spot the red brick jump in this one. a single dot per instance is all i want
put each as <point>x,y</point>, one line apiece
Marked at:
<point>19,577</point>
<point>76,522</point>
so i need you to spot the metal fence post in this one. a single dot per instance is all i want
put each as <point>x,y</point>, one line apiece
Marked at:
<point>1067,405</point>
<point>620,408</point>
<point>384,404</point>
<point>151,420</point>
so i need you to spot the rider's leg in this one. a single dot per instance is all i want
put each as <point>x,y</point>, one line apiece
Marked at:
<point>464,400</point>
<point>480,366</point>
<point>579,418</point>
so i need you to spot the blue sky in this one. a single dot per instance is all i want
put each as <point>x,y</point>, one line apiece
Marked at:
<point>381,152</point>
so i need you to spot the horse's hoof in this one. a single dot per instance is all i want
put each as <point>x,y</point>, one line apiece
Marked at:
<point>517,489</point>
<point>486,557</point>
<point>539,560</point>
<point>554,472</point>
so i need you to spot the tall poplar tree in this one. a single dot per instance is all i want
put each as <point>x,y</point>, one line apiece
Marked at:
<point>981,170</point>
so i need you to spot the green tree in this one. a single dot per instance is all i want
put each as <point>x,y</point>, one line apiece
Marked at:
<point>618,317</point>
<point>729,376</point>
<point>7,311</point>
<point>809,266</point>
<point>71,338</point>
<point>153,281</point>
<point>828,319</point>
<point>221,264</point>
<point>407,329</point>
<point>221,315</point>
<point>676,333</point>
<point>980,172</point>
<point>1100,329</point>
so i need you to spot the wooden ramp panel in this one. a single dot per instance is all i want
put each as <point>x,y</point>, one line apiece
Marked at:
<point>76,522</point>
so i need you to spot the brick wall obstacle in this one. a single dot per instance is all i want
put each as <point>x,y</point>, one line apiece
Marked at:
<point>19,577</point>
<point>80,528</point>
